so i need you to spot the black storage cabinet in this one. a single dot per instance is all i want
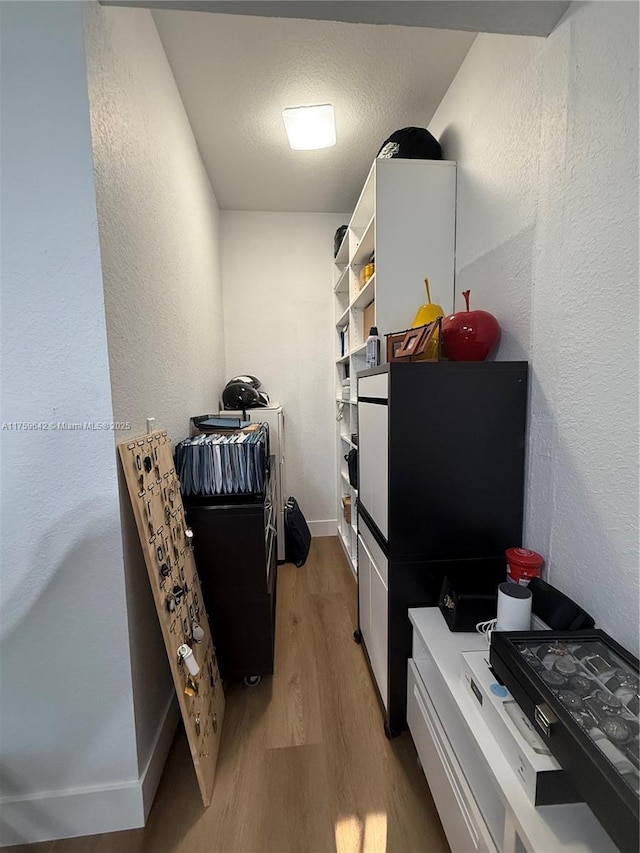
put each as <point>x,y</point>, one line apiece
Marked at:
<point>454,483</point>
<point>236,557</point>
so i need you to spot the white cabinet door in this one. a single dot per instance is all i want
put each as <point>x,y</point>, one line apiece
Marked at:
<point>373,598</point>
<point>364,591</point>
<point>378,651</point>
<point>373,450</point>
<point>280,460</point>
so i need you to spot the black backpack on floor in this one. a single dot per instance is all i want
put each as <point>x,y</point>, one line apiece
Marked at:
<point>297,540</point>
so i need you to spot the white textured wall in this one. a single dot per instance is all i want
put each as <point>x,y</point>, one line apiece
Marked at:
<point>66,710</point>
<point>546,137</point>
<point>278,306</point>
<point>158,222</point>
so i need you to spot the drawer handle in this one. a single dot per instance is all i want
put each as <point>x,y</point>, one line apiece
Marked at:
<point>545,718</point>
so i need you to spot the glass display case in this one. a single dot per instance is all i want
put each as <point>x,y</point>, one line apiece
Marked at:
<point>581,691</point>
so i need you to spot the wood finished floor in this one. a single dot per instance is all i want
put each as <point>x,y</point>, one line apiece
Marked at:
<point>304,765</point>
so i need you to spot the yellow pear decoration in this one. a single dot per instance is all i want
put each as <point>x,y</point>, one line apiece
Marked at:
<point>427,314</point>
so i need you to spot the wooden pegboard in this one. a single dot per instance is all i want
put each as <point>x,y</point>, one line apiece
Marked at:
<point>166,544</point>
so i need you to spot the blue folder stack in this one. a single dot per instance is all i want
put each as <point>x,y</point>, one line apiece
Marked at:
<point>223,463</point>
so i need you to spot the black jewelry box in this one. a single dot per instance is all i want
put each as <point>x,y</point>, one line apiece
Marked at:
<point>580,689</point>
<point>464,603</point>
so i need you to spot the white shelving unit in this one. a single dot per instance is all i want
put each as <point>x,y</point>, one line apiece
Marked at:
<point>405,219</point>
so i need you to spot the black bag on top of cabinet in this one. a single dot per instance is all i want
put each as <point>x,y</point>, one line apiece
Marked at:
<point>338,237</point>
<point>411,143</point>
<point>297,534</point>
<point>352,463</point>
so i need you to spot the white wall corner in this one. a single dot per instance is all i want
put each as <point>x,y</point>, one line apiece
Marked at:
<point>77,812</point>
<point>545,133</point>
<point>262,256</point>
<point>152,186</point>
<point>150,776</point>
<point>323,528</point>
<point>71,813</point>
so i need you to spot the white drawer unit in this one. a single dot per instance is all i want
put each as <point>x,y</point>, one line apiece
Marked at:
<point>376,387</point>
<point>463,824</point>
<point>480,798</point>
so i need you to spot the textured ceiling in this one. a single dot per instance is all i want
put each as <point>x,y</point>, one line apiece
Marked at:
<point>237,73</point>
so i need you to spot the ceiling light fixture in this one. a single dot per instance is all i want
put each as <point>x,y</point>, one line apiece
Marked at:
<point>310,127</point>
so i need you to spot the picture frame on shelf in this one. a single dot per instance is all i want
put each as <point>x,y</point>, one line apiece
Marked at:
<point>394,342</point>
<point>413,344</point>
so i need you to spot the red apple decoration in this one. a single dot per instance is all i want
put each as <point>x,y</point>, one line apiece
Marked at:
<point>469,335</point>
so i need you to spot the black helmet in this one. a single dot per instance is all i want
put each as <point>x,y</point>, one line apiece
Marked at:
<point>246,379</point>
<point>239,395</point>
<point>411,142</point>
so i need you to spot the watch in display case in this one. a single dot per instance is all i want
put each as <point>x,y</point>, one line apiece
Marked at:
<point>580,689</point>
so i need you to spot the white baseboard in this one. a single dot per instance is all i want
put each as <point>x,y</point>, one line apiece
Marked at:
<point>65,814</point>
<point>69,813</point>
<point>150,776</point>
<point>323,528</point>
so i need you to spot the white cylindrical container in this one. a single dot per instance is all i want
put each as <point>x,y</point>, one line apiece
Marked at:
<point>514,608</point>
<point>373,348</point>
<point>189,659</point>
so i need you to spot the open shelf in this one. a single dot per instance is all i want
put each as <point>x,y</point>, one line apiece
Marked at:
<point>343,321</point>
<point>365,246</point>
<point>342,258</point>
<point>342,284</point>
<point>345,541</point>
<point>366,295</point>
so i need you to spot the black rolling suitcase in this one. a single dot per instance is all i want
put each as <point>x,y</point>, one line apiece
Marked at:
<point>297,534</point>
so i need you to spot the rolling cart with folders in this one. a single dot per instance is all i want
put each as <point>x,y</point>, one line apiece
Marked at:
<point>235,548</point>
